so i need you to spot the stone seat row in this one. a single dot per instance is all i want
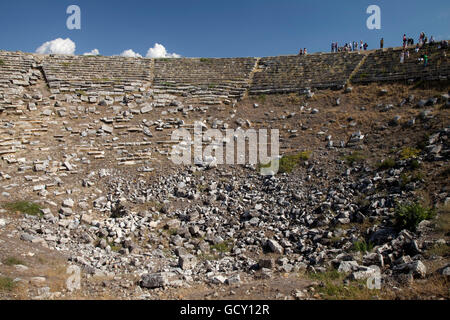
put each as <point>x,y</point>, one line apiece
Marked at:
<point>384,65</point>
<point>293,73</point>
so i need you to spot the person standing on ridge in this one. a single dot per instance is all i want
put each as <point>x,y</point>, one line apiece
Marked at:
<point>382,43</point>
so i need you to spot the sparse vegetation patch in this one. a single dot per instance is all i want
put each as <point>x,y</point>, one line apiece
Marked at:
<point>408,216</point>
<point>25,207</point>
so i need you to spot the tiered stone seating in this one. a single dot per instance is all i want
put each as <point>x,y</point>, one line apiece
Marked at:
<point>17,70</point>
<point>293,73</point>
<point>384,65</point>
<point>96,75</point>
<point>207,80</point>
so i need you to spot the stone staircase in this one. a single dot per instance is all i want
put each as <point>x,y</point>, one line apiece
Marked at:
<point>204,80</point>
<point>384,65</point>
<point>96,75</point>
<point>287,74</point>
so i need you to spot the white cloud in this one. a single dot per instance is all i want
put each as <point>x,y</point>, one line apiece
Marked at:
<point>130,54</point>
<point>94,52</point>
<point>159,51</point>
<point>57,46</point>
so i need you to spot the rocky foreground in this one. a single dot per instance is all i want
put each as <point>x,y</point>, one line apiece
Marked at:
<point>367,200</point>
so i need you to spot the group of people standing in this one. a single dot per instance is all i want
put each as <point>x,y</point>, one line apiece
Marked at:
<point>355,46</point>
<point>303,52</point>
<point>423,40</point>
<point>349,47</point>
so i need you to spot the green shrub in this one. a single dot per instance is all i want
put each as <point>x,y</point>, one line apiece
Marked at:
<point>332,288</point>
<point>363,246</point>
<point>172,232</point>
<point>388,163</point>
<point>11,261</point>
<point>442,250</point>
<point>415,177</point>
<point>25,207</point>
<point>415,164</point>
<point>409,216</point>
<point>328,275</point>
<point>223,247</point>
<point>363,76</point>
<point>114,247</point>
<point>287,163</point>
<point>261,98</point>
<point>409,153</point>
<point>354,157</point>
<point>2,62</point>
<point>6,284</point>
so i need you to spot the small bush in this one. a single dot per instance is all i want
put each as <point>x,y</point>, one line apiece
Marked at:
<point>326,276</point>
<point>442,250</point>
<point>443,219</point>
<point>2,62</point>
<point>386,164</point>
<point>415,177</point>
<point>332,287</point>
<point>261,98</point>
<point>114,247</point>
<point>25,207</point>
<point>172,232</point>
<point>6,284</point>
<point>410,215</point>
<point>363,246</point>
<point>287,163</point>
<point>354,157</point>
<point>11,261</point>
<point>415,164</point>
<point>294,98</point>
<point>223,247</point>
<point>409,153</point>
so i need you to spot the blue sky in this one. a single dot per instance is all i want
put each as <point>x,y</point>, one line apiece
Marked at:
<point>200,28</point>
